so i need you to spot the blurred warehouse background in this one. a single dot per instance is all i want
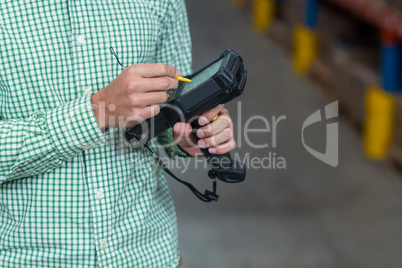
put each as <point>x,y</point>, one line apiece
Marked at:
<point>302,55</point>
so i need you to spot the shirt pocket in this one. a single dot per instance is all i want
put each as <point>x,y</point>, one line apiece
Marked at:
<point>35,64</point>
<point>133,33</point>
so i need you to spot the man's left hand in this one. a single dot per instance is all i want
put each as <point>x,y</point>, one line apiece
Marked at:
<point>216,136</point>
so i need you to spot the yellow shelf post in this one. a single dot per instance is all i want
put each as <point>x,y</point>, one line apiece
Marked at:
<point>305,49</point>
<point>379,123</point>
<point>305,40</point>
<point>263,14</point>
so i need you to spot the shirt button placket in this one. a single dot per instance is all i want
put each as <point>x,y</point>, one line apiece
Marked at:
<point>103,244</point>
<point>87,90</point>
<point>99,194</point>
<point>86,147</point>
<point>80,43</point>
<point>80,40</point>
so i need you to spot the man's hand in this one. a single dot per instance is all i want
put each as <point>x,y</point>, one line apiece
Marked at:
<point>217,136</point>
<point>134,95</point>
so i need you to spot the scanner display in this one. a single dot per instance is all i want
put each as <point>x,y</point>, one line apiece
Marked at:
<point>202,76</point>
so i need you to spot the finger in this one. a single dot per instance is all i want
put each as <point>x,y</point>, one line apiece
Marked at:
<point>221,123</point>
<point>150,98</point>
<point>182,134</point>
<point>223,148</point>
<point>153,70</point>
<point>194,151</point>
<point>154,84</point>
<point>149,111</point>
<point>161,83</point>
<point>141,114</point>
<point>207,117</point>
<point>187,143</point>
<point>216,140</point>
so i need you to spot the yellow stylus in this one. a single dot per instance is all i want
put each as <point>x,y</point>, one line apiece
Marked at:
<point>183,79</point>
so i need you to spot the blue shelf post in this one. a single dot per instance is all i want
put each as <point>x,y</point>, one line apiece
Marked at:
<point>391,63</point>
<point>311,13</point>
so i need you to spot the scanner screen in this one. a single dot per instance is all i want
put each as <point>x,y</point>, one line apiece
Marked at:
<point>202,76</point>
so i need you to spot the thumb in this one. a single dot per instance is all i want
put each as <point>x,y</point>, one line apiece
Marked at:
<point>182,129</point>
<point>178,73</point>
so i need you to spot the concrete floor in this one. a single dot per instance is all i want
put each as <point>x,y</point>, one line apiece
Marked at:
<point>309,215</point>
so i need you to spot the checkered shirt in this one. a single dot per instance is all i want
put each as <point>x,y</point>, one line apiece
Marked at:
<point>70,194</point>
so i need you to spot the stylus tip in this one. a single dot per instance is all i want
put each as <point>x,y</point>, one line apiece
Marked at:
<point>183,79</point>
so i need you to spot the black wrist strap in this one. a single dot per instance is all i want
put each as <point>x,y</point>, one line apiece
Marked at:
<point>207,196</point>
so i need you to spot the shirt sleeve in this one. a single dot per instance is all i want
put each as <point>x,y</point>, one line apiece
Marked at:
<point>47,140</point>
<point>174,49</point>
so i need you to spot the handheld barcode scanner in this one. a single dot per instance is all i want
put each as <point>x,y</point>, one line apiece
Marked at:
<point>217,83</point>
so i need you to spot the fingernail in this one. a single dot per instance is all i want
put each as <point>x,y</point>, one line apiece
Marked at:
<point>200,133</point>
<point>212,150</point>
<point>203,120</point>
<point>177,73</point>
<point>201,143</point>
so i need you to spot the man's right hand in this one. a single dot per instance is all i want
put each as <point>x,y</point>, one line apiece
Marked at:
<point>134,95</point>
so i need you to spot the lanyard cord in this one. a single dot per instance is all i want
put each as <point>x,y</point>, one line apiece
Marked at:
<point>208,196</point>
<point>117,58</point>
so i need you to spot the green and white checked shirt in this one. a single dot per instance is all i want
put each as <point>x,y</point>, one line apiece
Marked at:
<point>71,195</point>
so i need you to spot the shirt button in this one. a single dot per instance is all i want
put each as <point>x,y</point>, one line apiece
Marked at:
<point>99,195</point>
<point>103,244</point>
<point>87,91</point>
<point>80,40</point>
<point>86,147</point>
